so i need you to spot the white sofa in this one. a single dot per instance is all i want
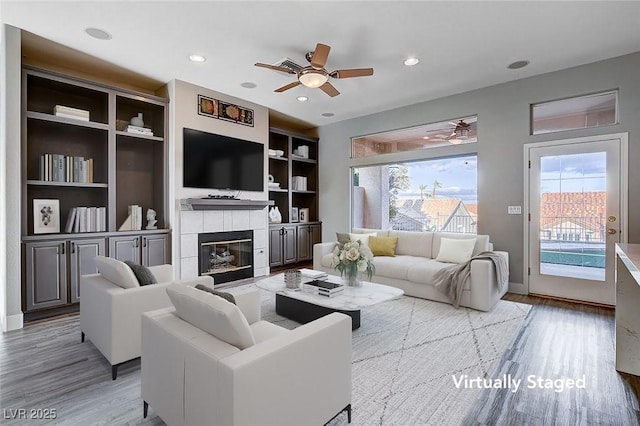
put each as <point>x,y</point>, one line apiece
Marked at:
<point>112,304</point>
<point>413,267</point>
<point>191,377</point>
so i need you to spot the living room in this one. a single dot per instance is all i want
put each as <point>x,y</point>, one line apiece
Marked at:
<point>502,105</point>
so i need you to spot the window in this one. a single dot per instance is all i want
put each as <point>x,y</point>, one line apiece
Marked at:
<point>453,132</point>
<point>426,195</point>
<point>600,109</point>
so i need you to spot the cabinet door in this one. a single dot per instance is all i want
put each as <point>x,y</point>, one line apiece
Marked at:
<point>289,244</point>
<point>46,275</point>
<point>154,250</point>
<point>275,246</point>
<point>304,242</point>
<point>82,253</point>
<point>125,248</point>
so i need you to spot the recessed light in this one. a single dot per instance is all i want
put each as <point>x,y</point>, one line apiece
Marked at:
<point>411,61</point>
<point>197,58</point>
<point>97,33</point>
<point>302,98</point>
<point>249,85</point>
<point>328,114</point>
<point>425,137</point>
<point>518,64</point>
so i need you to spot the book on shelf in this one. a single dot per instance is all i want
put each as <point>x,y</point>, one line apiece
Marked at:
<point>65,168</point>
<point>299,183</point>
<point>87,219</point>
<point>139,130</point>
<point>68,112</point>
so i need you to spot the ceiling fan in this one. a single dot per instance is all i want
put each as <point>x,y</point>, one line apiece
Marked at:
<point>315,75</point>
<point>459,132</point>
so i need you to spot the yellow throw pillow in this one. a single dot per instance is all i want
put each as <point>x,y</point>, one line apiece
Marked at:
<point>383,246</point>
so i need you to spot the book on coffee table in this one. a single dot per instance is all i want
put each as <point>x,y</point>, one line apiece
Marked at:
<point>311,273</point>
<point>323,288</point>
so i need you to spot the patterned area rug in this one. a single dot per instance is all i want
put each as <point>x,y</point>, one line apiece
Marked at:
<point>406,352</point>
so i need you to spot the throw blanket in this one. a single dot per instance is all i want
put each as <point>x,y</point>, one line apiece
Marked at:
<point>450,280</point>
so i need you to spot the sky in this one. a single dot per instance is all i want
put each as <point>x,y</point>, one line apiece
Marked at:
<point>458,177</point>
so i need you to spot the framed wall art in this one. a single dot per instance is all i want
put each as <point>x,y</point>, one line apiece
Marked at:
<point>304,215</point>
<point>46,216</point>
<point>208,106</point>
<point>294,214</point>
<point>221,110</point>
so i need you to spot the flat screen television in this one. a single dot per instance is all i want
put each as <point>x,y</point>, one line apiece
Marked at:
<point>221,162</point>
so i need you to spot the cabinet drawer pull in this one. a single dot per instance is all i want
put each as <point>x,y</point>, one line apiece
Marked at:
<point>136,243</point>
<point>62,248</point>
<point>144,242</point>
<point>73,247</point>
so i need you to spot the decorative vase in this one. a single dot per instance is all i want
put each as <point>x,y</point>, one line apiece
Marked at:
<point>137,121</point>
<point>352,280</point>
<point>274,215</point>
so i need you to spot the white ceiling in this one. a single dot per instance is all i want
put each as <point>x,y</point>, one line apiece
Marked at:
<point>461,45</point>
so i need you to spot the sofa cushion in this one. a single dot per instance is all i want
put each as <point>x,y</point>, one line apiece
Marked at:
<point>383,246</point>
<point>363,238</point>
<point>413,243</point>
<point>116,272</point>
<point>482,241</point>
<point>455,250</point>
<point>395,267</point>
<point>212,314</point>
<point>226,296</point>
<point>142,273</point>
<point>423,272</point>
<point>379,232</point>
<point>343,237</point>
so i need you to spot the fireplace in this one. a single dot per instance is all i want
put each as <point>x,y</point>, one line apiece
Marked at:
<point>226,256</point>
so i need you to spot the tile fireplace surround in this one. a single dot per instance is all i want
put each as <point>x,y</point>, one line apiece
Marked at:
<point>213,217</point>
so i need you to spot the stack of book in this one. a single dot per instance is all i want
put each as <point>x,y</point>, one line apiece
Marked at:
<point>139,130</point>
<point>68,112</point>
<point>133,222</point>
<point>323,288</point>
<point>299,183</point>
<point>65,168</point>
<point>87,219</point>
<point>313,274</point>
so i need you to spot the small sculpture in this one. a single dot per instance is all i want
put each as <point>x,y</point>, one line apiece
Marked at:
<point>151,219</point>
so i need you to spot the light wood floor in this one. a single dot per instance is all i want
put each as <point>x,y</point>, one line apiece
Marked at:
<point>45,366</point>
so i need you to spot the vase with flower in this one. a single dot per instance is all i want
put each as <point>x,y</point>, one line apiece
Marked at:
<point>352,259</point>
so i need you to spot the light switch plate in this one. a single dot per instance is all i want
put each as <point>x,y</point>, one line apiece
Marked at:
<point>514,209</point>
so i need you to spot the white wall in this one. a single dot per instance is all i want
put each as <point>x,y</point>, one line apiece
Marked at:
<point>183,113</point>
<point>503,129</point>
<point>10,83</point>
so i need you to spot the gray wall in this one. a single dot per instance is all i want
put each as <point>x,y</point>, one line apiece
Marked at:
<point>503,130</point>
<point>10,82</point>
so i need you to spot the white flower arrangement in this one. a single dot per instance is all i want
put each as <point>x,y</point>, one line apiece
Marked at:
<point>351,258</point>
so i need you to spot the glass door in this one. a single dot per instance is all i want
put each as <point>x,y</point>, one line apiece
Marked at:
<point>575,207</point>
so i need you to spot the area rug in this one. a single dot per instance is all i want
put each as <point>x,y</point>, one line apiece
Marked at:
<point>408,351</point>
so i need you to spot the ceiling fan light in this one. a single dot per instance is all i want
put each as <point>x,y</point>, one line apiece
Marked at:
<point>462,133</point>
<point>313,78</point>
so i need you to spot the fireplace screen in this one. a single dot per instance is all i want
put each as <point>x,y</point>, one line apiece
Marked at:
<point>226,256</point>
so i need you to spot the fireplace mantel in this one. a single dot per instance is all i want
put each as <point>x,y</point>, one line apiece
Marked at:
<point>223,204</point>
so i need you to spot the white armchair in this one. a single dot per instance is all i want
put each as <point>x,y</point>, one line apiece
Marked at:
<point>192,377</point>
<point>111,305</point>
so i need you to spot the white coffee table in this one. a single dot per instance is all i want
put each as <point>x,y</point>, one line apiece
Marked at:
<point>305,307</point>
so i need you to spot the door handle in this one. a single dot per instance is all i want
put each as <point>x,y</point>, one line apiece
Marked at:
<point>62,248</point>
<point>73,247</point>
<point>136,243</point>
<point>611,231</point>
<point>144,242</point>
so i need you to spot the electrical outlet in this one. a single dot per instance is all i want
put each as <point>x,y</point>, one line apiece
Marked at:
<point>514,210</point>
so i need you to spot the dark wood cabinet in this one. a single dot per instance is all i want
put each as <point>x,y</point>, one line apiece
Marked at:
<point>147,250</point>
<point>282,244</point>
<point>82,253</point>
<point>45,275</point>
<point>308,235</point>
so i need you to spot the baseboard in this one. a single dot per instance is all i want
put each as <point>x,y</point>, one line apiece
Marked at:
<point>518,288</point>
<point>12,322</point>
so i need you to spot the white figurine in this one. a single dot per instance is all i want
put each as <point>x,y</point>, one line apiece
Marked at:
<point>151,219</point>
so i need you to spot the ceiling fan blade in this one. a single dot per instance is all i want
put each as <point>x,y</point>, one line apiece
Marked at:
<point>355,72</point>
<point>329,89</point>
<point>288,86</point>
<point>320,55</point>
<point>275,68</point>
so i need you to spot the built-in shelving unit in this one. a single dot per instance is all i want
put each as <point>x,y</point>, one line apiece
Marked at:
<point>292,241</point>
<point>127,168</point>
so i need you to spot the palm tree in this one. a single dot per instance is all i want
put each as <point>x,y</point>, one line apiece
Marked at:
<point>422,188</point>
<point>436,184</point>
